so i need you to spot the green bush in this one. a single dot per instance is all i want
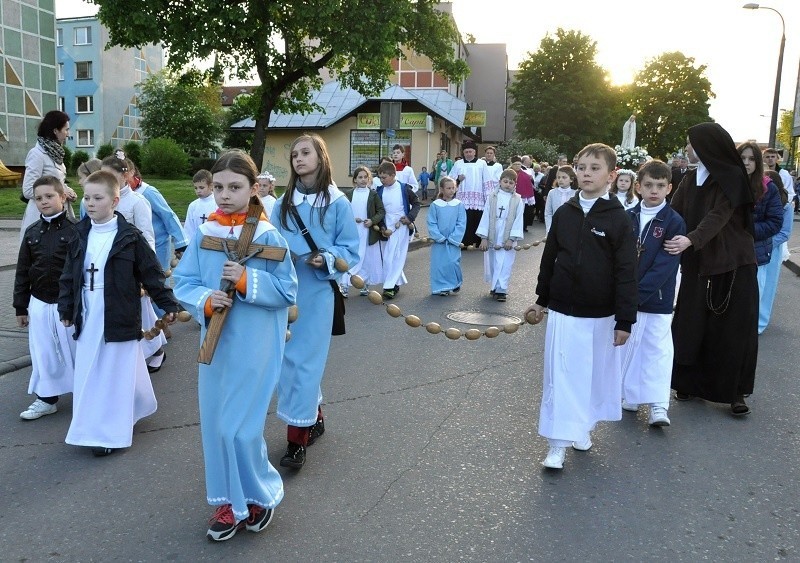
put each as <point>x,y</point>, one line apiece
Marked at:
<point>79,158</point>
<point>105,150</point>
<point>200,163</point>
<point>67,158</point>
<point>537,148</point>
<point>133,150</point>
<point>164,158</point>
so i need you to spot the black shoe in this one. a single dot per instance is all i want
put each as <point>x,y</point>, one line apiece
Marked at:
<point>259,518</point>
<point>294,457</point>
<point>152,369</point>
<point>457,289</point>
<point>739,407</point>
<point>682,396</point>
<point>389,293</point>
<point>102,452</point>
<point>316,431</point>
<point>500,296</point>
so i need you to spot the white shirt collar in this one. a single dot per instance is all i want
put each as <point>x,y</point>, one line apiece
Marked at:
<point>702,173</point>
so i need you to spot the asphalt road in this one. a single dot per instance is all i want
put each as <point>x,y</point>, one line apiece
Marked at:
<point>431,454</point>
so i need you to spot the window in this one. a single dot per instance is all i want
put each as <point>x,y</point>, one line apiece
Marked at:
<point>84,104</point>
<point>83,70</point>
<point>85,137</point>
<point>83,35</point>
<point>59,37</point>
<point>61,71</point>
<point>61,103</point>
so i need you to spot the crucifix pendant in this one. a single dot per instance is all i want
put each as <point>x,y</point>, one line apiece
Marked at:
<point>91,269</point>
<point>639,249</point>
<point>501,208</point>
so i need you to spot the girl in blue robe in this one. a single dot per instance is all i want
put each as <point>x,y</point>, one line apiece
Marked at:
<point>326,213</point>
<point>447,221</point>
<point>235,388</point>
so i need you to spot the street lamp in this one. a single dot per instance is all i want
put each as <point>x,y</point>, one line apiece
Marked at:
<point>773,125</point>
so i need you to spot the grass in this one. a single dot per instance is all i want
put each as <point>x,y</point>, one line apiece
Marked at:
<point>178,193</point>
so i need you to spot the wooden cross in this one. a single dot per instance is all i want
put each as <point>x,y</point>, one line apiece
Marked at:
<point>91,269</point>
<point>501,208</point>
<point>242,250</point>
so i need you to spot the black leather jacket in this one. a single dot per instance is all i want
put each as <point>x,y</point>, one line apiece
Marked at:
<point>131,264</point>
<point>41,261</point>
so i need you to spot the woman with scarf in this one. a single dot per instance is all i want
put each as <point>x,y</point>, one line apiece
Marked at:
<point>46,158</point>
<point>716,318</point>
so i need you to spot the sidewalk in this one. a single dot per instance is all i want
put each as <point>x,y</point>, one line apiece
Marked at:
<point>14,353</point>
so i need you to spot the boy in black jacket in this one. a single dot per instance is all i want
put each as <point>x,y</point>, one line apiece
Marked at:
<point>99,295</point>
<point>587,280</point>
<point>648,355</point>
<point>41,259</point>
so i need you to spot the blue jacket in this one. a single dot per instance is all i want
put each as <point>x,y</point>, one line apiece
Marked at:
<point>657,268</point>
<point>767,222</point>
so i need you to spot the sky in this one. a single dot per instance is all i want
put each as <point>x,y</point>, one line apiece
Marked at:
<point>739,47</point>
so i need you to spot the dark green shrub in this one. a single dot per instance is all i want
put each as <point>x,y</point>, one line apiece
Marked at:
<point>133,150</point>
<point>67,158</point>
<point>164,158</point>
<point>105,150</point>
<point>200,163</point>
<point>79,158</point>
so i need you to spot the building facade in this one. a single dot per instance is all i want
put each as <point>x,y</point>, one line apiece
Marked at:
<point>99,88</point>
<point>27,74</point>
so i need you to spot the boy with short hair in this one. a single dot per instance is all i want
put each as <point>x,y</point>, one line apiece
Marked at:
<point>500,229</point>
<point>401,206</point>
<point>200,209</point>
<point>112,388</point>
<point>647,356</point>
<point>424,180</point>
<point>587,280</point>
<point>405,174</point>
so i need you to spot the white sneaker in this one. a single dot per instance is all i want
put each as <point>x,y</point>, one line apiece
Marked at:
<point>630,407</point>
<point>658,416</point>
<point>555,458</point>
<point>38,409</point>
<point>585,445</point>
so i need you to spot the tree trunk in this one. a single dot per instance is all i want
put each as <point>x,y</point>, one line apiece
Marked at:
<point>265,105</point>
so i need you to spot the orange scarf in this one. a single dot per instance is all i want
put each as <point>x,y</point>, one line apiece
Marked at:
<point>231,219</point>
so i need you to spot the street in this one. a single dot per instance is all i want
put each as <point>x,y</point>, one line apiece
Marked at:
<point>431,454</point>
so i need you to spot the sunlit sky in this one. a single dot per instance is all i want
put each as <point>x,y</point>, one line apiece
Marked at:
<point>740,47</point>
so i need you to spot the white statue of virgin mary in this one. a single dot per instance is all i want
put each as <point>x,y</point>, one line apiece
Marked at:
<point>629,133</point>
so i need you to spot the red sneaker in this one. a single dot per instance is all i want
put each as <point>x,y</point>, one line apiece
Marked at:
<point>223,525</point>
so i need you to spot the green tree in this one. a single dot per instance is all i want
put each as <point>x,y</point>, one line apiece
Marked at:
<point>784,132</point>
<point>183,108</point>
<point>561,94</point>
<point>286,44</point>
<point>669,95</point>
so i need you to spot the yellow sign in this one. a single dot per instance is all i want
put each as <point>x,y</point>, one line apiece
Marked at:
<point>413,120</point>
<point>474,118</point>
